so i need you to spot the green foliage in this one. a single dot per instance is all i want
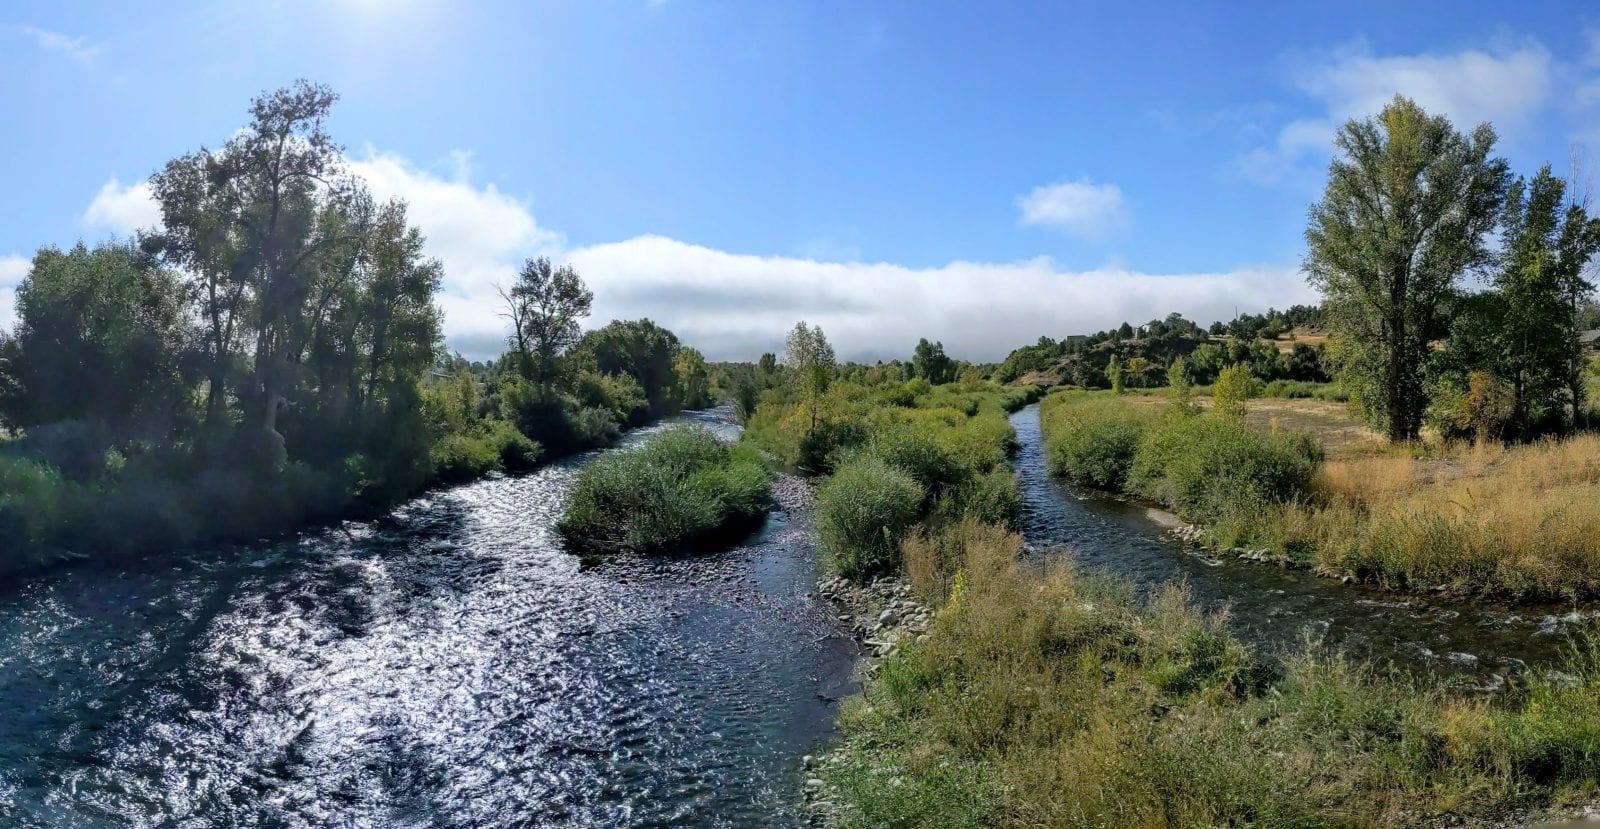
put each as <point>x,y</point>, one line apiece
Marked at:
<point>1234,386</point>
<point>1092,439</point>
<point>863,510</point>
<point>1444,191</point>
<point>993,497</point>
<point>1210,465</point>
<point>1053,698</point>
<point>544,306</point>
<point>1204,466</point>
<point>682,486</point>
<point>84,316</point>
<point>929,363</point>
<point>664,370</point>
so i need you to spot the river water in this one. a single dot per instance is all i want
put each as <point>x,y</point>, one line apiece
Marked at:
<point>1468,645</point>
<point>449,665</point>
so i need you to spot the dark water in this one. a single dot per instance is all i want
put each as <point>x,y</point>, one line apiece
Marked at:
<point>1466,644</point>
<point>449,665</point>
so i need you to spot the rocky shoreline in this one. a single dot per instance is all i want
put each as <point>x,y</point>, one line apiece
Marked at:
<point>880,615</point>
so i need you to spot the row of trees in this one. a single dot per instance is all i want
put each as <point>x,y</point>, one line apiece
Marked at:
<point>273,354</point>
<point>1406,217</point>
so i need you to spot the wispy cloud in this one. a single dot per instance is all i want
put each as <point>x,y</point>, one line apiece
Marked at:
<point>1078,208</point>
<point>1506,84</point>
<point>75,47</point>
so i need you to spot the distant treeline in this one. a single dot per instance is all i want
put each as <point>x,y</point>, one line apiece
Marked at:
<point>1144,354</point>
<point>272,355</point>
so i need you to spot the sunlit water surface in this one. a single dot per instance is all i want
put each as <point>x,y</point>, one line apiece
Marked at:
<point>450,665</point>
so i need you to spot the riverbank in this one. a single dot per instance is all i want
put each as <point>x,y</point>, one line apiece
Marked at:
<point>1512,524</point>
<point>150,526</point>
<point>882,616</point>
<point>1042,696</point>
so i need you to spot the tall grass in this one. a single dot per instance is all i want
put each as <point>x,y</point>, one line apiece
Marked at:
<point>863,510</point>
<point>1521,521</point>
<point>899,455</point>
<point>1055,699</point>
<point>681,486</point>
<point>1517,522</point>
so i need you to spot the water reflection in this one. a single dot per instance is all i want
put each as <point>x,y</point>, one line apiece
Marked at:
<point>448,665</point>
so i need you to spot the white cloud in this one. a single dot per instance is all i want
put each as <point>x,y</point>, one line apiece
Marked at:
<point>77,48</point>
<point>12,270</point>
<point>1080,208</point>
<point>479,234</point>
<point>122,209</point>
<point>1505,85</point>
<point>735,306</point>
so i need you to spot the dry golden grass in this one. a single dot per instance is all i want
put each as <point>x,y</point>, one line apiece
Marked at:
<point>1517,520</point>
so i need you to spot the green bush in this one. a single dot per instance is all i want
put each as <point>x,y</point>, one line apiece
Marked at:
<point>992,498</point>
<point>1093,439</point>
<point>36,502</point>
<point>917,453</point>
<point>517,451</point>
<point>461,457</point>
<point>1206,465</point>
<point>863,510</point>
<point>681,486</point>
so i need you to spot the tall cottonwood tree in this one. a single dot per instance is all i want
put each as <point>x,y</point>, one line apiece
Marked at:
<point>544,307</point>
<point>1408,203</point>
<point>315,302</point>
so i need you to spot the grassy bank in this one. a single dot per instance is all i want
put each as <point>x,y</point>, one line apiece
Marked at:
<point>1056,699</point>
<point>894,457</point>
<point>1514,522</point>
<point>683,485</point>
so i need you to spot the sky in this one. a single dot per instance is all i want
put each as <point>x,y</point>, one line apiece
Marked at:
<point>978,174</point>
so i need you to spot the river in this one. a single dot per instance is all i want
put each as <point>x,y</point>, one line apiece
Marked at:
<point>449,665</point>
<point>1465,644</point>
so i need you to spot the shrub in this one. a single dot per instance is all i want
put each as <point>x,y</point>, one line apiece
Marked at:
<point>991,498</point>
<point>681,486</point>
<point>863,510</point>
<point>1093,439</point>
<point>36,502</point>
<point>461,457</point>
<point>917,453</point>
<point>1205,465</point>
<point>1234,385</point>
<point>517,452</point>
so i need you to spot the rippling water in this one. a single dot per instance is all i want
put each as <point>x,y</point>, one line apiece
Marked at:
<point>1469,644</point>
<point>449,665</point>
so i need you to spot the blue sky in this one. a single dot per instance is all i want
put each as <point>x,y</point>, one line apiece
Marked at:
<point>978,173</point>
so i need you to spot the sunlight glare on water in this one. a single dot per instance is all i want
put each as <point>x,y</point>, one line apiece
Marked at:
<point>449,665</point>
